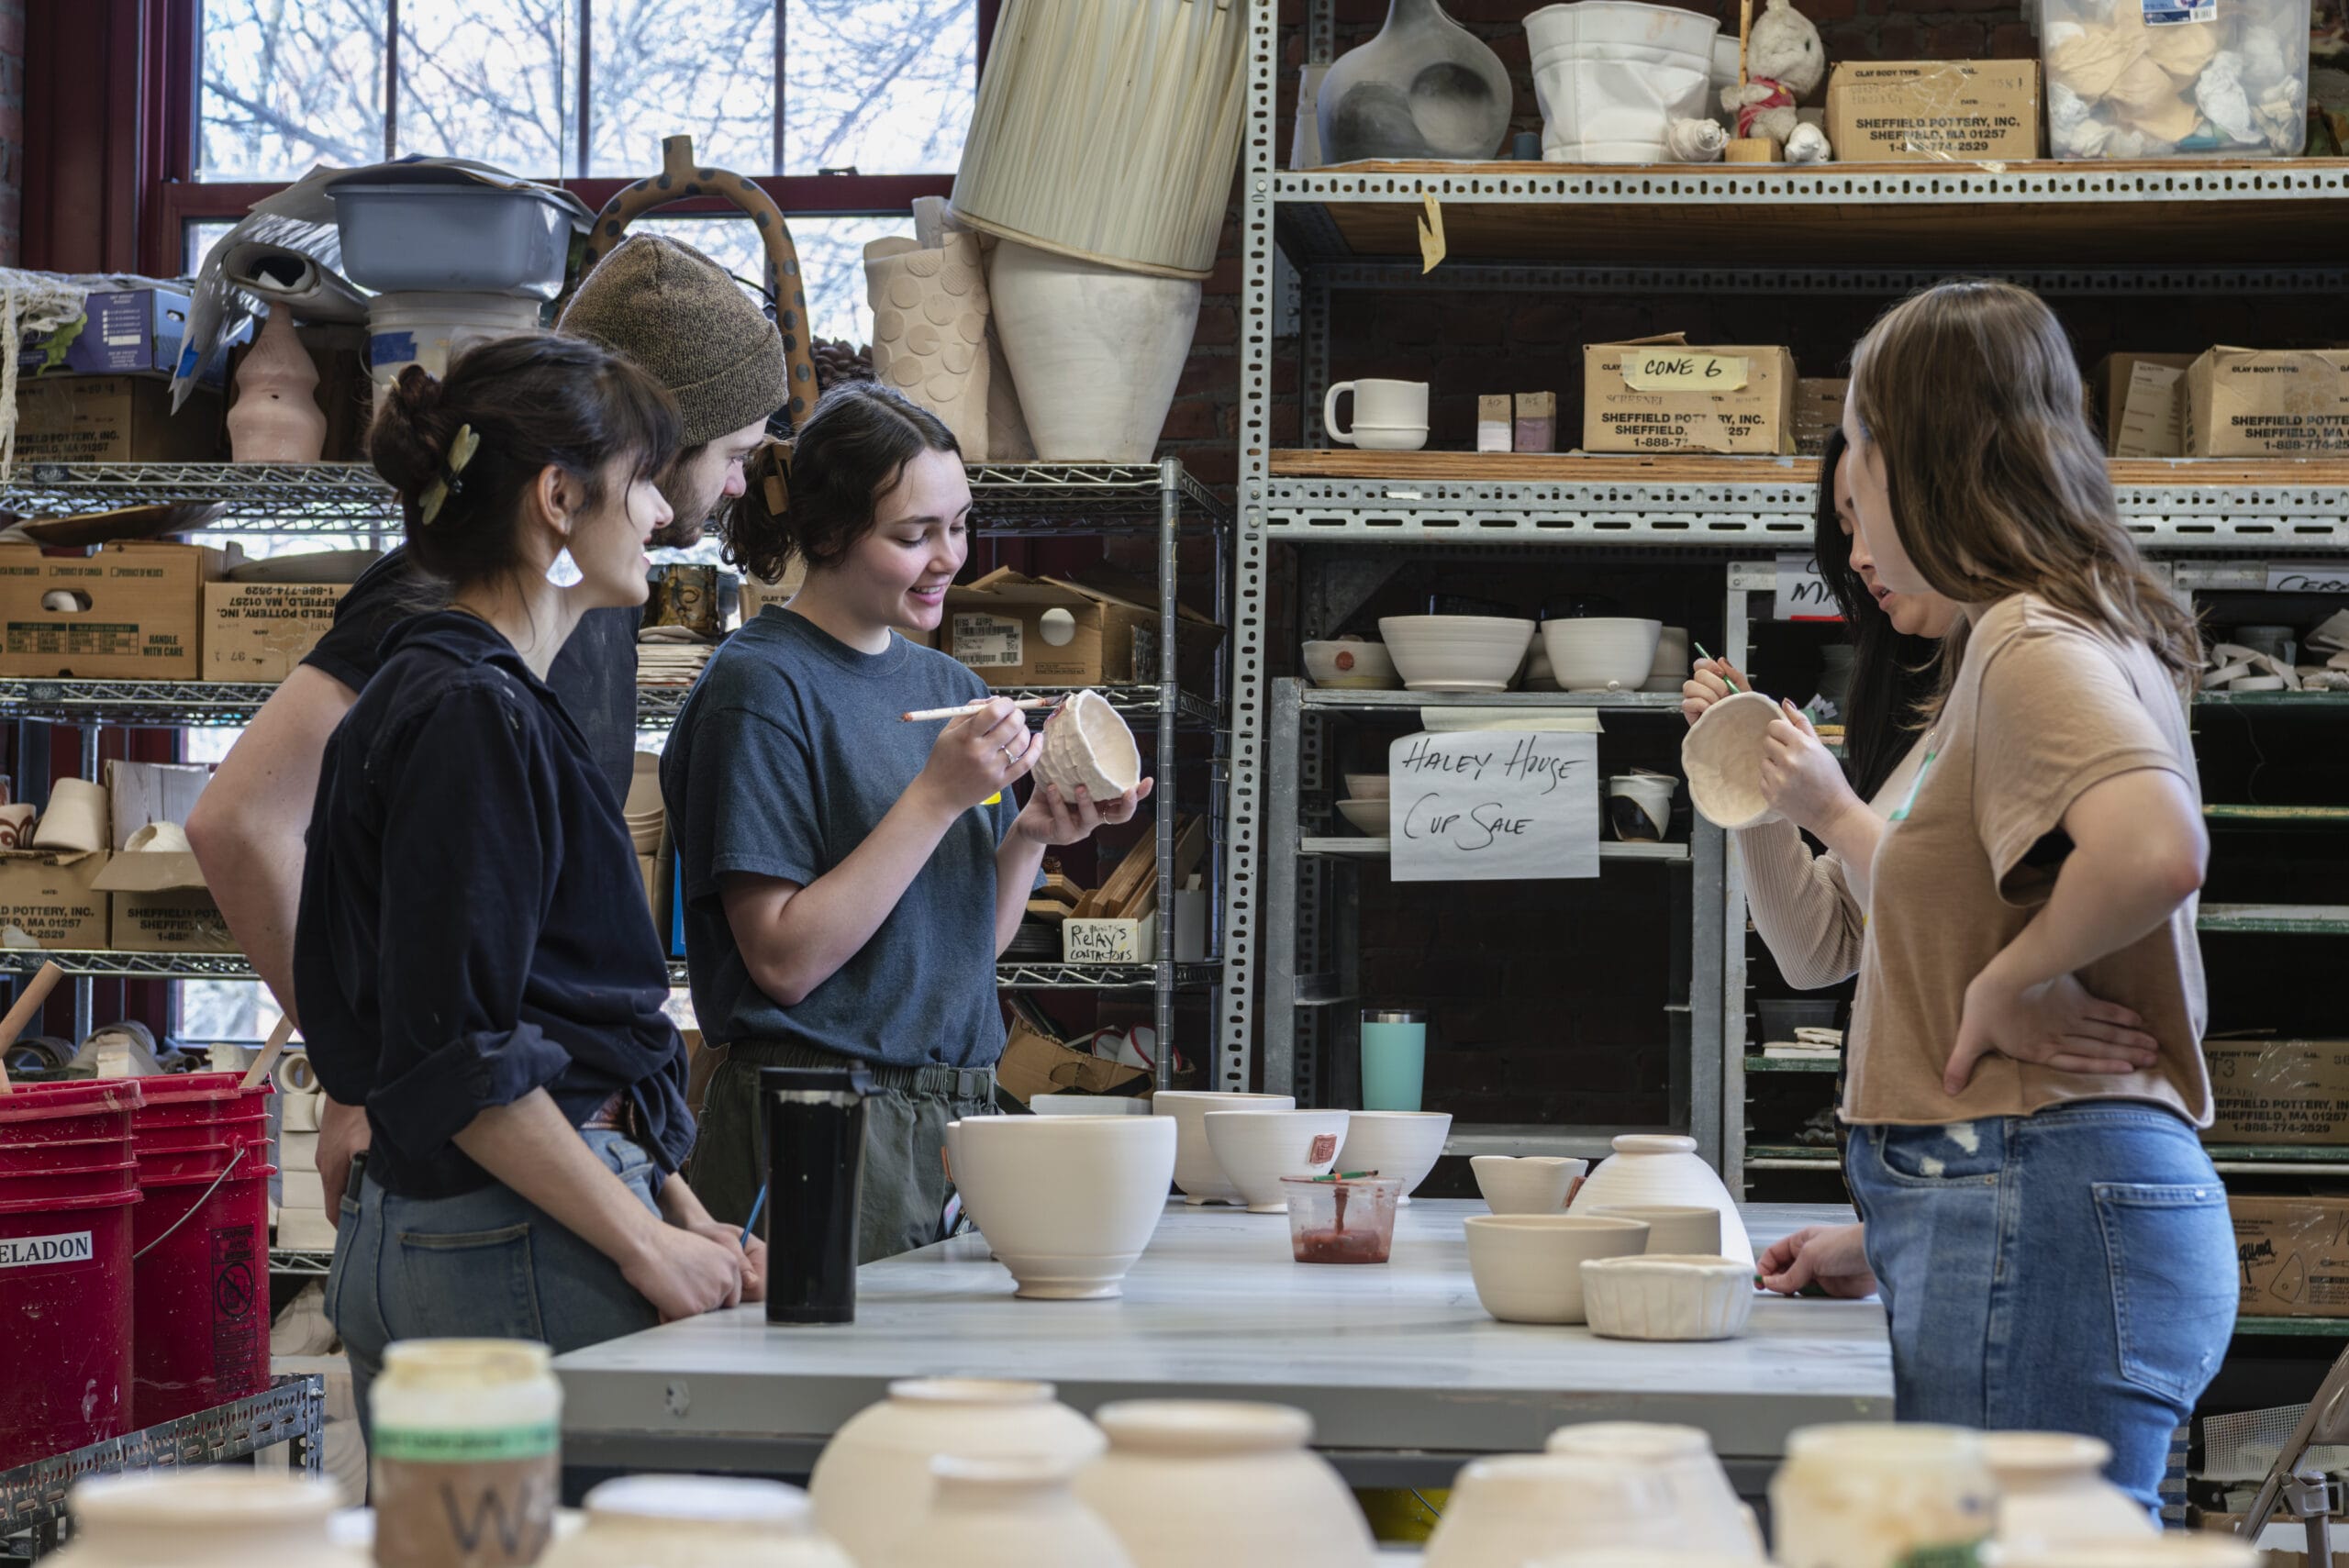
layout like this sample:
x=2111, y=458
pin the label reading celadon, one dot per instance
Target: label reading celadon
x=42, y=1252
x=468, y=1445
x=1684, y=370
x=988, y=641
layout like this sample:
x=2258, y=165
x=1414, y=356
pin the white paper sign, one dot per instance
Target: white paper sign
x=1493, y=805
x=1801, y=591
x=2309, y=578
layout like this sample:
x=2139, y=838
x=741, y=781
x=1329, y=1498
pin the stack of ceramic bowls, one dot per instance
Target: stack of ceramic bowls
x=1365, y=803
x=647, y=818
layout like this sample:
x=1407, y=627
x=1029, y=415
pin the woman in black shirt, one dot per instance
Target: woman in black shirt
x=475, y=962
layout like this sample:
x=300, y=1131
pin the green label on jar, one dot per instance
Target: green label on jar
x=1967, y=1554
x=471, y=1445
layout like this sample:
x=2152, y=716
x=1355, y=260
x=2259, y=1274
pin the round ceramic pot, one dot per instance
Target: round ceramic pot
x=872, y=1481
x=1866, y=1494
x=1682, y=1458
x=1533, y=1183
x=2052, y=1492
x=1005, y=1513
x=1662, y=1169
x=1664, y=1295
x=204, y=1518
x=462, y=1430
x=1402, y=1144
x=1674, y=1228
x=1233, y=1484
x=1257, y=1148
x=1349, y=664
x=1456, y=653
x=1196, y=1170
x=1721, y=756
x=1067, y=1203
x=696, y=1522
x=1527, y=1267
x=1087, y=745
x=1601, y=653
x=1610, y=76
x=1511, y=1509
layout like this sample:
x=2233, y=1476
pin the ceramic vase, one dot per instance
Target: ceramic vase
x=1682, y=1459
x=696, y=1522
x=1231, y=1484
x=930, y=330
x=871, y=1483
x=1425, y=87
x=1511, y=1509
x=1005, y=1513
x=1657, y=1168
x=277, y=417
x=1096, y=352
x=2052, y=1492
x=204, y=1518
x=1611, y=76
x=1870, y=1496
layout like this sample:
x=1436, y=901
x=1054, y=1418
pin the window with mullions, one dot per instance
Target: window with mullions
x=765, y=86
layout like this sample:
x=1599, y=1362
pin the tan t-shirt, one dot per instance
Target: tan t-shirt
x=2045, y=707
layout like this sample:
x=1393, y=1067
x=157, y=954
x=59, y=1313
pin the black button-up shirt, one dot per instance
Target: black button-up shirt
x=473, y=922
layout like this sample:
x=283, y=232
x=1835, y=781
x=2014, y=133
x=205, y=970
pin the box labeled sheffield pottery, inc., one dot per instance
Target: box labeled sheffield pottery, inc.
x=1660, y=394
x=133, y=611
x=2278, y=1091
x=113, y=418
x=1931, y=111
x=2268, y=403
x=49, y=895
x=259, y=631
x=2293, y=1255
x=1015, y=630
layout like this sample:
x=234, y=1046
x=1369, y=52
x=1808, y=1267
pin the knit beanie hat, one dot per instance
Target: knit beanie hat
x=678, y=315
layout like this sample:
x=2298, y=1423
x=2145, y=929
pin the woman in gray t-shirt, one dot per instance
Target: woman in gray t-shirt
x=849, y=878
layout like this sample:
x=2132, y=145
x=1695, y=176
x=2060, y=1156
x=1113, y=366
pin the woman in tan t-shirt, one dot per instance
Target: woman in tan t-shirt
x=2051, y=1242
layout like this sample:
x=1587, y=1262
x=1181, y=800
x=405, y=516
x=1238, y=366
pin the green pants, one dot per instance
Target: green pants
x=904, y=1141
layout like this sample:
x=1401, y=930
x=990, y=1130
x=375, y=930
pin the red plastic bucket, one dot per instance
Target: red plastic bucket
x=254, y=1129
x=72, y=1112
x=200, y=1278
x=109, y=1179
x=65, y=1318
x=184, y=1099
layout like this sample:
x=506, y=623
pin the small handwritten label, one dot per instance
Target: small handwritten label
x=1102, y=941
x=1494, y=806
x=2308, y=579
x=1800, y=592
x=1684, y=370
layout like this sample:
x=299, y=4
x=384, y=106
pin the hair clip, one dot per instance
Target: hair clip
x=461, y=448
x=776, y=485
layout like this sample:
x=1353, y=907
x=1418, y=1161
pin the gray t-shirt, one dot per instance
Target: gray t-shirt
x=787, y=755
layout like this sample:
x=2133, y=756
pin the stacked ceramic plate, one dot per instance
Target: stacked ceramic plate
x=647, y=818
x=1365, y=806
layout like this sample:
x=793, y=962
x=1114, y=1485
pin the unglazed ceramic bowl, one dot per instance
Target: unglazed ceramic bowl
x=1527, y=1267
x=1649, y=1168
x=1256, y=1148
x=1196, y=1170
x=1601, y=653
x=1367, y=786
x=1672, y=1228
x=1667, y=1295
x=1066, y=1202
x=1670, y=670
x=1456, y=653
x=1402, y=1144
x=1538, y=1184
x=1370, y=815
x=1712, y=1518
x=1349, y=664
x=1086, y=743
x=1512, y=1509
x=1721, y=755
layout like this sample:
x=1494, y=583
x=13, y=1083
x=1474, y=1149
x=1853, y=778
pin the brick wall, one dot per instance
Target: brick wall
x=12, y=132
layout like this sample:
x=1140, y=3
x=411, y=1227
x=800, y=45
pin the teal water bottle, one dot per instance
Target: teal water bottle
x=1394, y=1058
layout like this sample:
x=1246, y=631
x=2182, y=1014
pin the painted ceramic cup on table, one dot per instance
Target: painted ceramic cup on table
x=1527, y=1267
x=1257, y=1148
x=1534, y=1184
x=1863, y=1494
x=1195, y=1169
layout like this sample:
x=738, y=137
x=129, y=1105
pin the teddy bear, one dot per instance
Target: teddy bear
x=1785, y=63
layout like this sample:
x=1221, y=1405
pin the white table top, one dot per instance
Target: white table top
x=1389, y=1360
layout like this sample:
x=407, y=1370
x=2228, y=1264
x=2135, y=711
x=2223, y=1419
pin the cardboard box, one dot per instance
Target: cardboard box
x=2278, y=1091
x=1029, y=631
x=2268, y=403
x=1933, y=111
x=114, y=418
x=1819, y=411
x=136, y=329
x=756, y=595
x=138, y=611
x=47, y=895
x=259, y=631
x=158, y=902
x=1659, y=395
x=1109, y=942
x=1036, y=1064
x=2142, y=403
x=2293, y=1255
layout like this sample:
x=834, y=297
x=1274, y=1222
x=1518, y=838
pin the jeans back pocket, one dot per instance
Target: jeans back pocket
x=2171, y=1253
x=469, y=1285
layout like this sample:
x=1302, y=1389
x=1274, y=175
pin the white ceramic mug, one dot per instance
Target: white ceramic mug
x=1389, y=415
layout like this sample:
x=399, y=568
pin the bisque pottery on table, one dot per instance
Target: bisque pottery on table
x=1067, y=1203
x=1702, y=1499
x=1668, y=1297
x=1402, y=1144
x=1662, y=1168
x=1721, y=756
x=873, y=1482
x=696, y=1522
x=1864, y=1495
x=1508, y=1510
x=1257, y=1148
x=1527, y=1267
x=1195, y=1169
x=1005, y=1513
x=1087, y=744
x=2052, y=1492
x=1225, y=1484
x=1351, y=664
x=1674, y=1228
x=204, y=1518
x=1456, y=653
x=1533, y=1183
x=1375, y=818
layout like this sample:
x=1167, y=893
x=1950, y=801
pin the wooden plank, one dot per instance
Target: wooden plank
x=1698, y=469
x=1140, y=865
x=1190, y=847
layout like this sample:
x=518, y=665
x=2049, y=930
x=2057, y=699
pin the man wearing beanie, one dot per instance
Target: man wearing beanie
x=681, y=317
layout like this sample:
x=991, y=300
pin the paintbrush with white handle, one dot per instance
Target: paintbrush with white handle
x=1024, y=703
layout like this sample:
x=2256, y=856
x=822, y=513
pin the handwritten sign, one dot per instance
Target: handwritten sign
x=1494, y=806
x=1802, y=593
x=1684, y=370
x=2308, y=579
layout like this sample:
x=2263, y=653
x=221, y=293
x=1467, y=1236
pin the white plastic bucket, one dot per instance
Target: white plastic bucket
x=1610, y=76
x=425, y=329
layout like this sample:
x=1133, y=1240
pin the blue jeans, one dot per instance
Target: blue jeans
x=2069, y=1272
x=488, y=1264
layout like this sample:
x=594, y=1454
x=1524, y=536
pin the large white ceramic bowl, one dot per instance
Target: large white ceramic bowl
x=1601, y=653
x=1086, y=742
x=1402, y=1144
x=1349, y=665
x=1527, y=1267
x=1456, y=653
x=1372, y=817
x=1066, y=1202
x=1721, y=755
x=1256, y=1148
x=1666, y=1295
x=1536, y=1184
x=1367, y=787
x=1196, y=1171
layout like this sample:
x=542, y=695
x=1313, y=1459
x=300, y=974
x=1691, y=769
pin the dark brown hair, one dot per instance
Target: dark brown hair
x=1892, y=672
x=534, y=402
x=817, y=496
x=1995, y=484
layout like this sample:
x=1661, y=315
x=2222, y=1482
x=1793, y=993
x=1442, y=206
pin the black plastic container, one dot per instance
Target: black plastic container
x=815, y=1184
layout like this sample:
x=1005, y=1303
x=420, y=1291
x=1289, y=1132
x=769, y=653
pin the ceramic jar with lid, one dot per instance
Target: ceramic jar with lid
x=1864, y=1495
x=1662, y=1168
x=204, y=1518
x=696, y=1522
x=872, y=1482
x=465, y=1431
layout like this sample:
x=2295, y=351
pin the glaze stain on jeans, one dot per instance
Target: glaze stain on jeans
x=2072, y=1272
